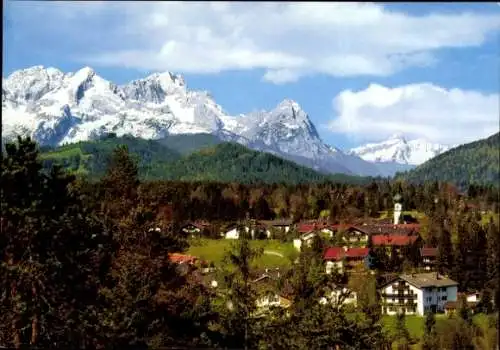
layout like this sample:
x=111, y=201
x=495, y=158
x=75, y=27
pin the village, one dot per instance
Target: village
x=350, y=250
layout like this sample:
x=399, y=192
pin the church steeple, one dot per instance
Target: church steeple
x=398, y=209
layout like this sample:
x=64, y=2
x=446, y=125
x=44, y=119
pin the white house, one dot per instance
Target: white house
x=354, y=235
x=342, y=296
x=473, y=297
x=282, y=225
x=417, y=293
x=234, y=232
x=306, y=238
x=272, y=299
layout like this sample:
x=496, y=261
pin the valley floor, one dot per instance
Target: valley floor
x=274, y=252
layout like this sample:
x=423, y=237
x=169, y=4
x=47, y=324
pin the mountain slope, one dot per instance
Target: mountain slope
x=400, y=150
x=222, y=162
x=473, y=163
x=90, y=158
x=56, y=108
x=397, y=153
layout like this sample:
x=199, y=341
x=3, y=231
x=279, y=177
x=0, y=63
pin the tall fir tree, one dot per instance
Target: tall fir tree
x=50, y=249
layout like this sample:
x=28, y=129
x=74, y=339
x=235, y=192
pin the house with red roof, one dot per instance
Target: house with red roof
x=344, y=258
x=182, y=258
x=398, y=243
x=315, y=226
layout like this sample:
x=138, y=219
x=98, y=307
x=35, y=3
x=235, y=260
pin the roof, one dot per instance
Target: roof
x=197, y=224
x=308, y=227
x=371, y=228
x=334, y=253
x=357, y=252
x=430, y=279
x=307, y=235
x=338, y=253
x=181, y=258
x=393, y=240
x=278, y=222
x=428, y=251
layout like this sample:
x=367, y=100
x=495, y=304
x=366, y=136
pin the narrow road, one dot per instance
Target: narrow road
x=271, y=252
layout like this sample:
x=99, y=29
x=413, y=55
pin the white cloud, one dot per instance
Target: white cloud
x=287, y=40
x=424, y=110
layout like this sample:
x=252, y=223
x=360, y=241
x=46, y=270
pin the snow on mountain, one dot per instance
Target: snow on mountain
x=57, y=108
x=399, y=150
x=398, y=154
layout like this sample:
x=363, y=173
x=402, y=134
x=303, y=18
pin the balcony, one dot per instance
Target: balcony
x=399, y=296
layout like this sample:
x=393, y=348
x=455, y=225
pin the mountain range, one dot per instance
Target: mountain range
x=57, y=108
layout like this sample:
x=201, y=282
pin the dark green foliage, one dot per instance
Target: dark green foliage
x=402, y=336
x=430, y=322
x=204, y=159
x=309, y=324
x=51, y=249
x=238, y=296
x=186, y=144
x=86, y=264
x=473, y=163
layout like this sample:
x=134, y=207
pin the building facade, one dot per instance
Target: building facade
x=417, y=293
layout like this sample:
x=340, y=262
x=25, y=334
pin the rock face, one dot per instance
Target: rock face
x=56, y=108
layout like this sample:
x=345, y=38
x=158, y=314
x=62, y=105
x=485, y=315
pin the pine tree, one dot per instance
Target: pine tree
x=238, y=297
x=51, y=253
x=444, y=259
x=464, y=311
x=401, y=332
x=429, y=341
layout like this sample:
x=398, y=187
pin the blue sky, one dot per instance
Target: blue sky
x=361, y=71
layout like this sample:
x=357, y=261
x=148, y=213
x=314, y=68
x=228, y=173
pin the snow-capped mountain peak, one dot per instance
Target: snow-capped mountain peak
x=398, y=149
x=56, y=108
x=399, y=136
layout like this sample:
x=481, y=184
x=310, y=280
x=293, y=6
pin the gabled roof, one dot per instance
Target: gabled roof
x=181, y=258
x=357, y=252
x=313, y=226
x=430, y=279
x=428, y=252
x=333, y=253
x=338, y=253
x=384, y=240
x=278, y=222
x=198, y=224
x=308, y=235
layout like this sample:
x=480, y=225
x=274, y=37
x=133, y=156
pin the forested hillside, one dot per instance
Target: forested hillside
x=103, y=256
x=474, y=163
x=188, y=158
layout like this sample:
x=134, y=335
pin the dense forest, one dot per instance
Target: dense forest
x=473, y=163
x=188, y=158
x=85, y=264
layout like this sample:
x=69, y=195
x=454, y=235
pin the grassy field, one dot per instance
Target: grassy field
x=415, y=325
x=276, y=253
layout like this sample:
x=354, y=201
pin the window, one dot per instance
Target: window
x=444, y=297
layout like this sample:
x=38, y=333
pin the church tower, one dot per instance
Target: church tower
x=398, y=209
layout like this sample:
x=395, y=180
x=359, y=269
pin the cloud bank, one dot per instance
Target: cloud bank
x=424, y=110
x=286, y=40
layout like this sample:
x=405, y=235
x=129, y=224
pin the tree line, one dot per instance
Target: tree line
x=84, y=265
